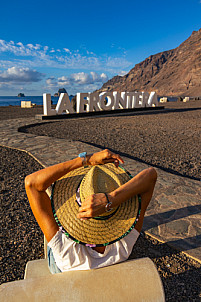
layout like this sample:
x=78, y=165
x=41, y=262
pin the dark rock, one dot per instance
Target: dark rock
x=21, y=95
x=61, y=90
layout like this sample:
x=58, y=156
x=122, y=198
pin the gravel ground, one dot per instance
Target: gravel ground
x=168, y=140
x=20, y=236
x=22, y=240
x=13, y=112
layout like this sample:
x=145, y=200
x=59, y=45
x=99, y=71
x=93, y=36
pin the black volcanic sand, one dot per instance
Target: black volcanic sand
x=22, y=240
x=13, y=112
x=168, y=140
x=21, y=237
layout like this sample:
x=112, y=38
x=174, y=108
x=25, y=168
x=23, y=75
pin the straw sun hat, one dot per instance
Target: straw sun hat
x=69, y=192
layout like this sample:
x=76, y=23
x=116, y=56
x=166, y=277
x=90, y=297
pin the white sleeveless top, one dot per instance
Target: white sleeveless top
x=71, y=256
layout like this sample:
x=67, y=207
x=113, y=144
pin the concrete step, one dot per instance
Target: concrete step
x=135, y=280
x=36, y=269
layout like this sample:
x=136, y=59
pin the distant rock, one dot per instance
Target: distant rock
x=174, y=72
x=21, y=95
x=61, y=90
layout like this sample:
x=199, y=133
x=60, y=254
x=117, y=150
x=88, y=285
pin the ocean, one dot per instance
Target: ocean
x=38, y=100
x=16, y=101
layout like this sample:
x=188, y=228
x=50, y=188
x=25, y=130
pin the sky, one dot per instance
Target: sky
x=79, y=45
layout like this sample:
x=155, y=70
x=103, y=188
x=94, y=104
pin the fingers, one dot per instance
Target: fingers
x=89, y=210
x=85, y=213
x=86, y=210
x=83, y=216
x=111, y=157
x=114, y=161
x=118, y=157
x=103, y=157
x=93, y=206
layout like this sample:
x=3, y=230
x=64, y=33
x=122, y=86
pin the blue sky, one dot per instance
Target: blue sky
x=79, y=45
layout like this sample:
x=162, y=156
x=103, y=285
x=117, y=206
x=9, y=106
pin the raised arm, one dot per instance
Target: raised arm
x=37, y=183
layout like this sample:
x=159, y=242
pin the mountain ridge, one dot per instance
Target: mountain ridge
x=175, y=72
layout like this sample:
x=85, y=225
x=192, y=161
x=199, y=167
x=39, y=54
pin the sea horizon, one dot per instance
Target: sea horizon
x=16, y=101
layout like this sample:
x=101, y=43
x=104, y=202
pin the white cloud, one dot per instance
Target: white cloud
x=90, y=52
x=44, y=56
x=20, y=75
x=81, y=80
x=20, y=44
x=63, y=81
x=122, y=72
x=19, y=49
x=5, y=64
x=19, y=64
x=98, y=78
x=51, y=82
x=67, y=50
x=117, y=62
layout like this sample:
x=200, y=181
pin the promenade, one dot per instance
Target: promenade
x=173, y=215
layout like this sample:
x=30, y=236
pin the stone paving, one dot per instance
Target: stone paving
x=173, y=215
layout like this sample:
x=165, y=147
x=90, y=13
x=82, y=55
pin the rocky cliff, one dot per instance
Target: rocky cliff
x=61, y=90
x=21, y=95
x=173, y=73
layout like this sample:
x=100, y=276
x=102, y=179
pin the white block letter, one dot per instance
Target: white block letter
x=82, y=99
x=119, y=100
x=94, y=102
x=137, y=100
x=106, y=100
x=47, y=110
x=153, y=100
x=130, y=99
x=64, y=104
x=145, y=97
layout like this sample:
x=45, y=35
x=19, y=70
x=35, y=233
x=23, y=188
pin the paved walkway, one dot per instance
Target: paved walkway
x=174, y=212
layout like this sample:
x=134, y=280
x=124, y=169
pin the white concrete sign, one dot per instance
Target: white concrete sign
x=88, y=102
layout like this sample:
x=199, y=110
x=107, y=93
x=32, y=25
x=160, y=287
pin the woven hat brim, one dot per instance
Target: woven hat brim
x=92, y=231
